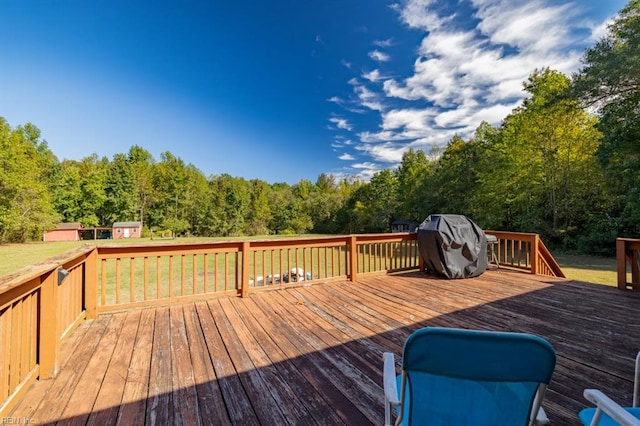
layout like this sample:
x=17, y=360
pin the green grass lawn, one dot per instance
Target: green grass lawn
x=599, y=270
x=593, y=269
x=16, y=256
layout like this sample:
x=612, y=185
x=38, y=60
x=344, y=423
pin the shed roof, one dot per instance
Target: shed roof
x=126, y=224
x=68, y=226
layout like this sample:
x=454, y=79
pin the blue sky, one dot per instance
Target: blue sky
x=281, y=90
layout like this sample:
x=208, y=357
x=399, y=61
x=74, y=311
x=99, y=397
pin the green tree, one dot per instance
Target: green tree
x=410, y=199
x=26, y=210
x=142, y=165
x=170, y=186
x=371, y=207
x=120, y=202
x=78, y=190
x=544, y=173
x=610, y=82
x=456, y=183
x=259, y=214
x=288, y=215
x=229, y=205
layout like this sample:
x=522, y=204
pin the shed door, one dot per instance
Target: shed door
x=126, y=232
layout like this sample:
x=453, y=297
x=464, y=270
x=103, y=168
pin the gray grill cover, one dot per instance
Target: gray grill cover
x=453, y=246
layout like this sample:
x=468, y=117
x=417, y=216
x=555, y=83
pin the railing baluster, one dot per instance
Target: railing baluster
x=170, y=276
x=117, y=280
x=132, y=295
x=158, y=278
x=103, y=289
x=205, y=273
x=183, y=275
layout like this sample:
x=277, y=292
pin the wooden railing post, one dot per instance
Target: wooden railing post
x=49, y=343
x=535, y=253
x=244, y=291
x=621, y=263
x=353, y=258
x=91, y=284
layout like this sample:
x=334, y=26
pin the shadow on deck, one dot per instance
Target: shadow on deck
x=312, y=354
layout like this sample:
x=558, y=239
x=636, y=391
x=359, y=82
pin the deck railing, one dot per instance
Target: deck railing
x=628, y=262
x=39, y=305
x=136, y=276
x=526, y=252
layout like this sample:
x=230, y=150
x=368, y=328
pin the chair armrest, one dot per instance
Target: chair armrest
x=389, y=378
x=609, y=406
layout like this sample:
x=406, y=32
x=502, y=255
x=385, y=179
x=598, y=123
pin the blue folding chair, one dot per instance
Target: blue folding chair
x=466, y=377
x=609, y=413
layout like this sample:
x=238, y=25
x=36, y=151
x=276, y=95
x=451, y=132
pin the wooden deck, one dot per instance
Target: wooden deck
x=313, y=354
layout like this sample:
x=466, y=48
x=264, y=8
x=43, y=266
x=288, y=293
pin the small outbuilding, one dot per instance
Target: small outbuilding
x=64, y=232
x=127, y=230
x=404, y=226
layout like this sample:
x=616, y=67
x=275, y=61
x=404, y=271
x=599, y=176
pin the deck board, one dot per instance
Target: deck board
x=312, y=354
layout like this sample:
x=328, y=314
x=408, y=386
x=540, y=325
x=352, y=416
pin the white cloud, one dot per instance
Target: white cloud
x=346, y=157
x=346, y=64
x=599, y=31
x=366, y=170
x=467, y=69
x=384, y=43
x=379, y=56
x=368, y=98
x=372, y=76
x=341, y=123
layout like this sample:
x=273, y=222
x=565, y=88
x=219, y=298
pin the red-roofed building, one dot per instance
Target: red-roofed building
x=64, y=232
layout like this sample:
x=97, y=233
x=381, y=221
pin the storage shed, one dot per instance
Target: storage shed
x=64, y=232
x=404, y=226
x=127, y=230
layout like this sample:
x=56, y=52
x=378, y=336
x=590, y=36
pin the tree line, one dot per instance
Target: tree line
x=564, y=164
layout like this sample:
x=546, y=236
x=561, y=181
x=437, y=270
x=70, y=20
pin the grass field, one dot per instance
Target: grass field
x=16, y=256
x=593, y=269
x=599, y=270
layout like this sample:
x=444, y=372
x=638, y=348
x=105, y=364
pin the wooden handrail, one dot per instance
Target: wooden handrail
x=525, y=251
x=144, y=275
x=118, y=276
x=37, y=309
x=628, y=255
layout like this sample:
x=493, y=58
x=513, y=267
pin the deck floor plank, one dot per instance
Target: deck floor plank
x=297, y=374
x=252, y=379
x=106, y=407
x=356, y=369
x=316, y=367
x=33, y=399
x=210, y=402
x=312, y=354
x=133, y=407
x=160, y=398
x=82, y=399
x=235, y=398
x=58, y=395
x=284, y=397
x=185, y=397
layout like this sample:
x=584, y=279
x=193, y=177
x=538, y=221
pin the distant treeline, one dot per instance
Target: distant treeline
x=564, y=164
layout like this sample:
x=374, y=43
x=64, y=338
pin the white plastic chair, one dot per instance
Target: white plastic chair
x=607, y=412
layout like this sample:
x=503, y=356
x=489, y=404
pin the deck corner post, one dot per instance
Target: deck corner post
x=244, y=286
x=353, y=258
x=49, y=341
x=535, y=254
x=621, y=263
x=91, y=284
